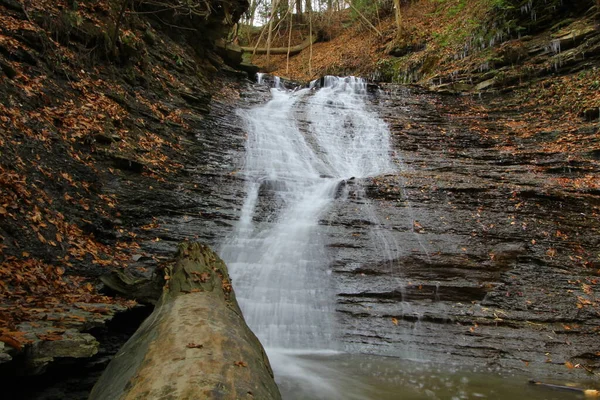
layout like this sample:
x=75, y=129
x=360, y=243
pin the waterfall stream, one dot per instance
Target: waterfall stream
x=306, y=152
x=302, y=145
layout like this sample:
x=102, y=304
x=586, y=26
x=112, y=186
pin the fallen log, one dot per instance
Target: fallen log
x=282, y=50
x=588, y=393
x=195, y=345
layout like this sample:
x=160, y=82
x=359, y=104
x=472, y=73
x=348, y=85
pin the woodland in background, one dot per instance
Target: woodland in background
x=455, y=28
x=102, y=103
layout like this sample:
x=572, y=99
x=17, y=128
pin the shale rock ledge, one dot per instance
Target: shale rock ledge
x=195, y=345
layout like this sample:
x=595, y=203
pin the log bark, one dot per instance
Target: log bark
x=283, y=50
x=194, y=345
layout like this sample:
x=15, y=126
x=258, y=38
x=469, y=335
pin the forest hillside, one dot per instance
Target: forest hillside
x=544, y=54
x=119, y=137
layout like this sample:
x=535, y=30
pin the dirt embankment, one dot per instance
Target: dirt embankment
x=99, y=105
x=469, y=46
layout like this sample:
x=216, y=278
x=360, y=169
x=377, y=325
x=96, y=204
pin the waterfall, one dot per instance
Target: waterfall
x=301, y=146
x=303, y=149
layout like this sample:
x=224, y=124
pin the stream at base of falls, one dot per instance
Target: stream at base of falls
x=367, y=377
x=306, y=150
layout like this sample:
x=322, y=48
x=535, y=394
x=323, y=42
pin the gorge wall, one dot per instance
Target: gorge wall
x=100, y=105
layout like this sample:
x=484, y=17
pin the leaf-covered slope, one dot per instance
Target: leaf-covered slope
x=96, y=101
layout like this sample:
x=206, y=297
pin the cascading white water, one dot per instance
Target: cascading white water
x=301, y=145
x=276, y=258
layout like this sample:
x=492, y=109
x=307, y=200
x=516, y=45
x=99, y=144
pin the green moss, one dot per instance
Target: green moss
x=456, y=9
x=387, y=69
x=71, y=19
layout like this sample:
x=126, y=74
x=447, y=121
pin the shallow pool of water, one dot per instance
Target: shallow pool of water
x=332, y=376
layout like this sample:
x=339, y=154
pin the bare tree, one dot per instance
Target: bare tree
x=310, y=35
x=308, y=7
x=299, y=10
x=287, y=62
x=365, y=19
x=270, y=33
x=118, y=26
x=399, y=17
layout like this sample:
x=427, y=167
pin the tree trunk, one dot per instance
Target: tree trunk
x=365, y=19
x=398, y=17
x=194, y=345
x=253, y=12
x=282, y=50
x=282, y=7
x=270, y=33
x=287, y=60
x=299, y=11
x=115, y=38
x=250, y=23
x=310, y=35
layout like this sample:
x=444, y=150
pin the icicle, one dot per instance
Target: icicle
x=555, y=46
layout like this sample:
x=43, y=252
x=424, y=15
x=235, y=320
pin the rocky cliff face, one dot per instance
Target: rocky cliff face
x=489, y=256
x=480, y=250
x=100, y=103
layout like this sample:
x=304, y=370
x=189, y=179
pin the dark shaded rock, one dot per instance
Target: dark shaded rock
x=230, y=52
x=12, y=5
x=72, y=344
x=10, y=72
x=48, y=344
x=251, y=69
x=4, y=354
x=127, y=164
x=149, y=37
x=140, y=288
x=199, y=101
x=591, y=114
x=510, y=54
x=19, y=55
x=401, y=51
x=106, y=138
x=575, y=37
x=234, y=72
x=595, y=154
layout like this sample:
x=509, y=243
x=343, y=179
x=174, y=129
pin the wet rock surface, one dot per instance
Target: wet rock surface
x=468, y=254
x=472, y=255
